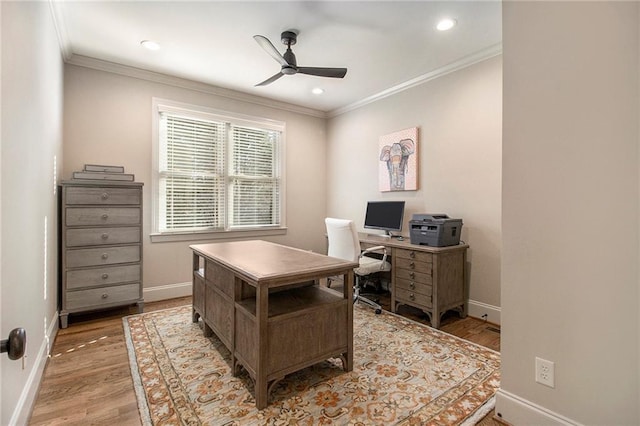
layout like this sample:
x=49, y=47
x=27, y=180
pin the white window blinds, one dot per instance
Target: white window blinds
x=255, y=187
x=214, y=175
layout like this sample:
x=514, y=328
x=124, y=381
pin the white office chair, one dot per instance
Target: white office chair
x=344, y=244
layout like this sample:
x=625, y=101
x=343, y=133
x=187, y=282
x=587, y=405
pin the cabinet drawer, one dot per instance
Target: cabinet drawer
x=79, y=216
x=222, y=278
x=413, y=255
x=102, y=195
x=414, y=265
x=412, y=286
x=410, y=275
x=103, y=296
x=98, y=236
x=78, y=258
x=81, y=278
x=412, y=298
x=219, y=314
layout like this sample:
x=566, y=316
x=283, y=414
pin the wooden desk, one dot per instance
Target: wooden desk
x=429, y=278
x=264, y=302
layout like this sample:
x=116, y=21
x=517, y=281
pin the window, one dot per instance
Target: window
x=214, y=172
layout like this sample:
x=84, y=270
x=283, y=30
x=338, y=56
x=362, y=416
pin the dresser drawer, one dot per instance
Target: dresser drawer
x=97, y=297
x=412, y=286
x=98, y=236
x=410, y=275
x=79, y=216
x=420, y=256
x=81, y=278
x=414, y=265
x=102, y=195
x=412, y=298
x=78, y=258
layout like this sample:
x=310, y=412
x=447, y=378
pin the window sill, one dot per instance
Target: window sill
x=221, y=235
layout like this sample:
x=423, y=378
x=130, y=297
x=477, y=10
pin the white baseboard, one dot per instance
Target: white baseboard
x=27, y=398
x=478, y=309
x=518, y=411
x=164, y=292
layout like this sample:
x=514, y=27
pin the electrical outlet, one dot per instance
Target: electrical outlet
x=545, y=373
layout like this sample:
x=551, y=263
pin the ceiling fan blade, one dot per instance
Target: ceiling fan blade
x=270, y=49
x=323, y=72
x=270, y=80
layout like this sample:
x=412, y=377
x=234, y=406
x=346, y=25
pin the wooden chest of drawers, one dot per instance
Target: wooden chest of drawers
x=430, y=279
x=100, y=246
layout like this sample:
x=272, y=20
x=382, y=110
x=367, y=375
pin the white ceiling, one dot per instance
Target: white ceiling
x=384, y=44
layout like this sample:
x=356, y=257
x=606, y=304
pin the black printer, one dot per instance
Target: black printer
x=437, y=230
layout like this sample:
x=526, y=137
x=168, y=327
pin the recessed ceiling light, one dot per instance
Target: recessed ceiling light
x=150, y=44
x=446, y=24
x=317, y=91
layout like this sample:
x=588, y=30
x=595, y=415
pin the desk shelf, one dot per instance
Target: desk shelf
x=293, y=301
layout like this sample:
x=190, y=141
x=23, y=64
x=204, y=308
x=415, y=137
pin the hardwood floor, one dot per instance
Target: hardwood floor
x=87, y=379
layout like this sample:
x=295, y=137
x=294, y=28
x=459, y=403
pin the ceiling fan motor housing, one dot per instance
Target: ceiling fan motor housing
x=289, y=38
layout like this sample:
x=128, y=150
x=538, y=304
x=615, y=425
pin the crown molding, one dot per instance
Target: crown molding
x=112, y=67
x=61, y=30
x=464, y=62
x=84, y=61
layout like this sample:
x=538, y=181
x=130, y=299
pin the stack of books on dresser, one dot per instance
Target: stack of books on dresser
x=99, y=172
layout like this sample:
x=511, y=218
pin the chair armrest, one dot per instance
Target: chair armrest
x=374, y=249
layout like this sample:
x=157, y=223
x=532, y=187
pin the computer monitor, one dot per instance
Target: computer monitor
x=384, y=215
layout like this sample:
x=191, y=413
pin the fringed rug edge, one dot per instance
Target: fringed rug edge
x=141, y=397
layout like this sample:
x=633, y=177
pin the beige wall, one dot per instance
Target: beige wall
x=107, y=120
x=31, y=140
x=570, y=212
x=459, y=121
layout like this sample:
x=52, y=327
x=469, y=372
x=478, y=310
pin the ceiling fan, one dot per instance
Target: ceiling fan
x=288, y=60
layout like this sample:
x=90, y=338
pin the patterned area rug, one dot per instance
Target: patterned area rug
x=404, y=373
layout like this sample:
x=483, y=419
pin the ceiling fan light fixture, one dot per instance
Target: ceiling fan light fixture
x=150, y=44
x=446, y=24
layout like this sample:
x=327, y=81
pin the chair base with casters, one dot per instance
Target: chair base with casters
x=359, y=297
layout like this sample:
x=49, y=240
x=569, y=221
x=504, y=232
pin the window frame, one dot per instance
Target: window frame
x=201, y=112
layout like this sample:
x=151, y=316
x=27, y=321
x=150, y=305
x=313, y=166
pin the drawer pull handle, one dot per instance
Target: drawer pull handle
x=105, y=276
x=105, y=216
x=412, y=296
x=105, y=255
x=105, y=196
x=105, y=295
x=412, y=275
x=412, y=286
x=105, y=236
x=412, y=265
x=412, y=254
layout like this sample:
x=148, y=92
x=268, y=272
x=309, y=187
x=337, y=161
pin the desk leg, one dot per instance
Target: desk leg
x=348, y=294
x=262, y=309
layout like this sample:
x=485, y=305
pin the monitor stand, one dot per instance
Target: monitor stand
x=387, y=234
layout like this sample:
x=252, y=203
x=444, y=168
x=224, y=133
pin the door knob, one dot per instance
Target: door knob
x=15, y=344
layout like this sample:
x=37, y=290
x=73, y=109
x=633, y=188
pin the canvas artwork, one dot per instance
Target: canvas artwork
x=398, y=169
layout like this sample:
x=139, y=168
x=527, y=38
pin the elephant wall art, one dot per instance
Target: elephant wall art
x=398, y=161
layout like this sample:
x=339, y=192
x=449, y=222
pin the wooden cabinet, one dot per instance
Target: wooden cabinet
x=100, y=246
x=428, y=278
x=432, y=282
